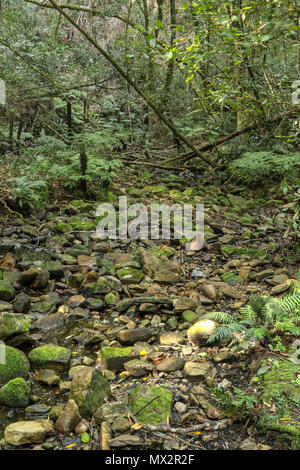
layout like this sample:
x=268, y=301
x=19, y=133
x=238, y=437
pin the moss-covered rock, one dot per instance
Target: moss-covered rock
x=15, y=393
x=130, y=275
x=82, y=205
x=75, y=280
x=232, y=278
x=50, y=356
x=64, y=227
x=156, y=412
x=111, y=299
x=79, y=224
x=7, y=290
x=239, y=252
x=13, y=363
x=278, y=387
x=55, y=269
x=115, y=358
x=13, y=323
x=89, y=389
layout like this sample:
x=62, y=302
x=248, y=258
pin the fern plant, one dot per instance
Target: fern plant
x=227, y=328
x=29, y=194
x=258, y=318
x=256, y=165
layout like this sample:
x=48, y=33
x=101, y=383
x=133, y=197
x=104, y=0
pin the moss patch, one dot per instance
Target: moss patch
x=15, y=393
x=50, y=357
x=158, y=410
x=16, y=364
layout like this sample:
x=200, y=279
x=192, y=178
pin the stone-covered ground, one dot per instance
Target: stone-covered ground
x=95, y=332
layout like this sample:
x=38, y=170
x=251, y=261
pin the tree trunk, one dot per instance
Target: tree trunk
x=69, y=120
x=19, y=133
x=11, y=132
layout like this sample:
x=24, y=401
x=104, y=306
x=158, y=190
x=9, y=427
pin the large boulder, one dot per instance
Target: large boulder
x=27, y=432
x=13, y=323
x=15, y=393
x=13, y=364
x=89, y=389
x=50, y=356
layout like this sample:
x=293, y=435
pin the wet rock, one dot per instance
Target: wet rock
x=190, y=316
x=172, y=337
x=74, y=370
x=48, y=377
x=15, y=394
x=89, y=337
x=222, y=356
x=167, y=277
x=55, y=269
x=209, y=291
x=110, y=411
x=38, y=408
x=28, y=276
x=13, y=323
x=130, y=275
x=158, y=411
x=27, y=432
x=6, y=306
x=41, y=280
x=69, y=418
x=55, y=412
x=197, y=371
x=75, y=280
x=81, y=427
x=171, y=364
x=124, y=304
x=16, y=364
x=264, y=274
x=129, y=337
x=7, y=291
x=280, y=288
x=137, y=368
x=22, y=303
x=120, y=424
x=231, y=292
x=278, y=279
x=52, y=322
x=115, y=358
x=125, y=440
x=184, y=303
x=95, y=304
x=89, y=389
x=50, y=356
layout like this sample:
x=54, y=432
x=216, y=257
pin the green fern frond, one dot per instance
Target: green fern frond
x=290, y=302
x=219, y=317
x=225, y=332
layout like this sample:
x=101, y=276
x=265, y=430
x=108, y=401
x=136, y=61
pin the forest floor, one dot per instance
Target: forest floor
x=118, y=311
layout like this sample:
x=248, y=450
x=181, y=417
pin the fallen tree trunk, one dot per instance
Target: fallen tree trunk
x=208, y=145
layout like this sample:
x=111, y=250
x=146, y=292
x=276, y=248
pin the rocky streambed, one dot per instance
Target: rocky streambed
x=95, y=353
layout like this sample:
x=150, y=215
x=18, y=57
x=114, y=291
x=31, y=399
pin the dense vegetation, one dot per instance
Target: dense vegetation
x=164, y=101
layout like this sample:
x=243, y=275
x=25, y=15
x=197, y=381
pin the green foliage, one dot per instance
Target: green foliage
x=28, y=193
x=261, y=314
x=237, y=405
x=227, y=327
x=257, y=165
